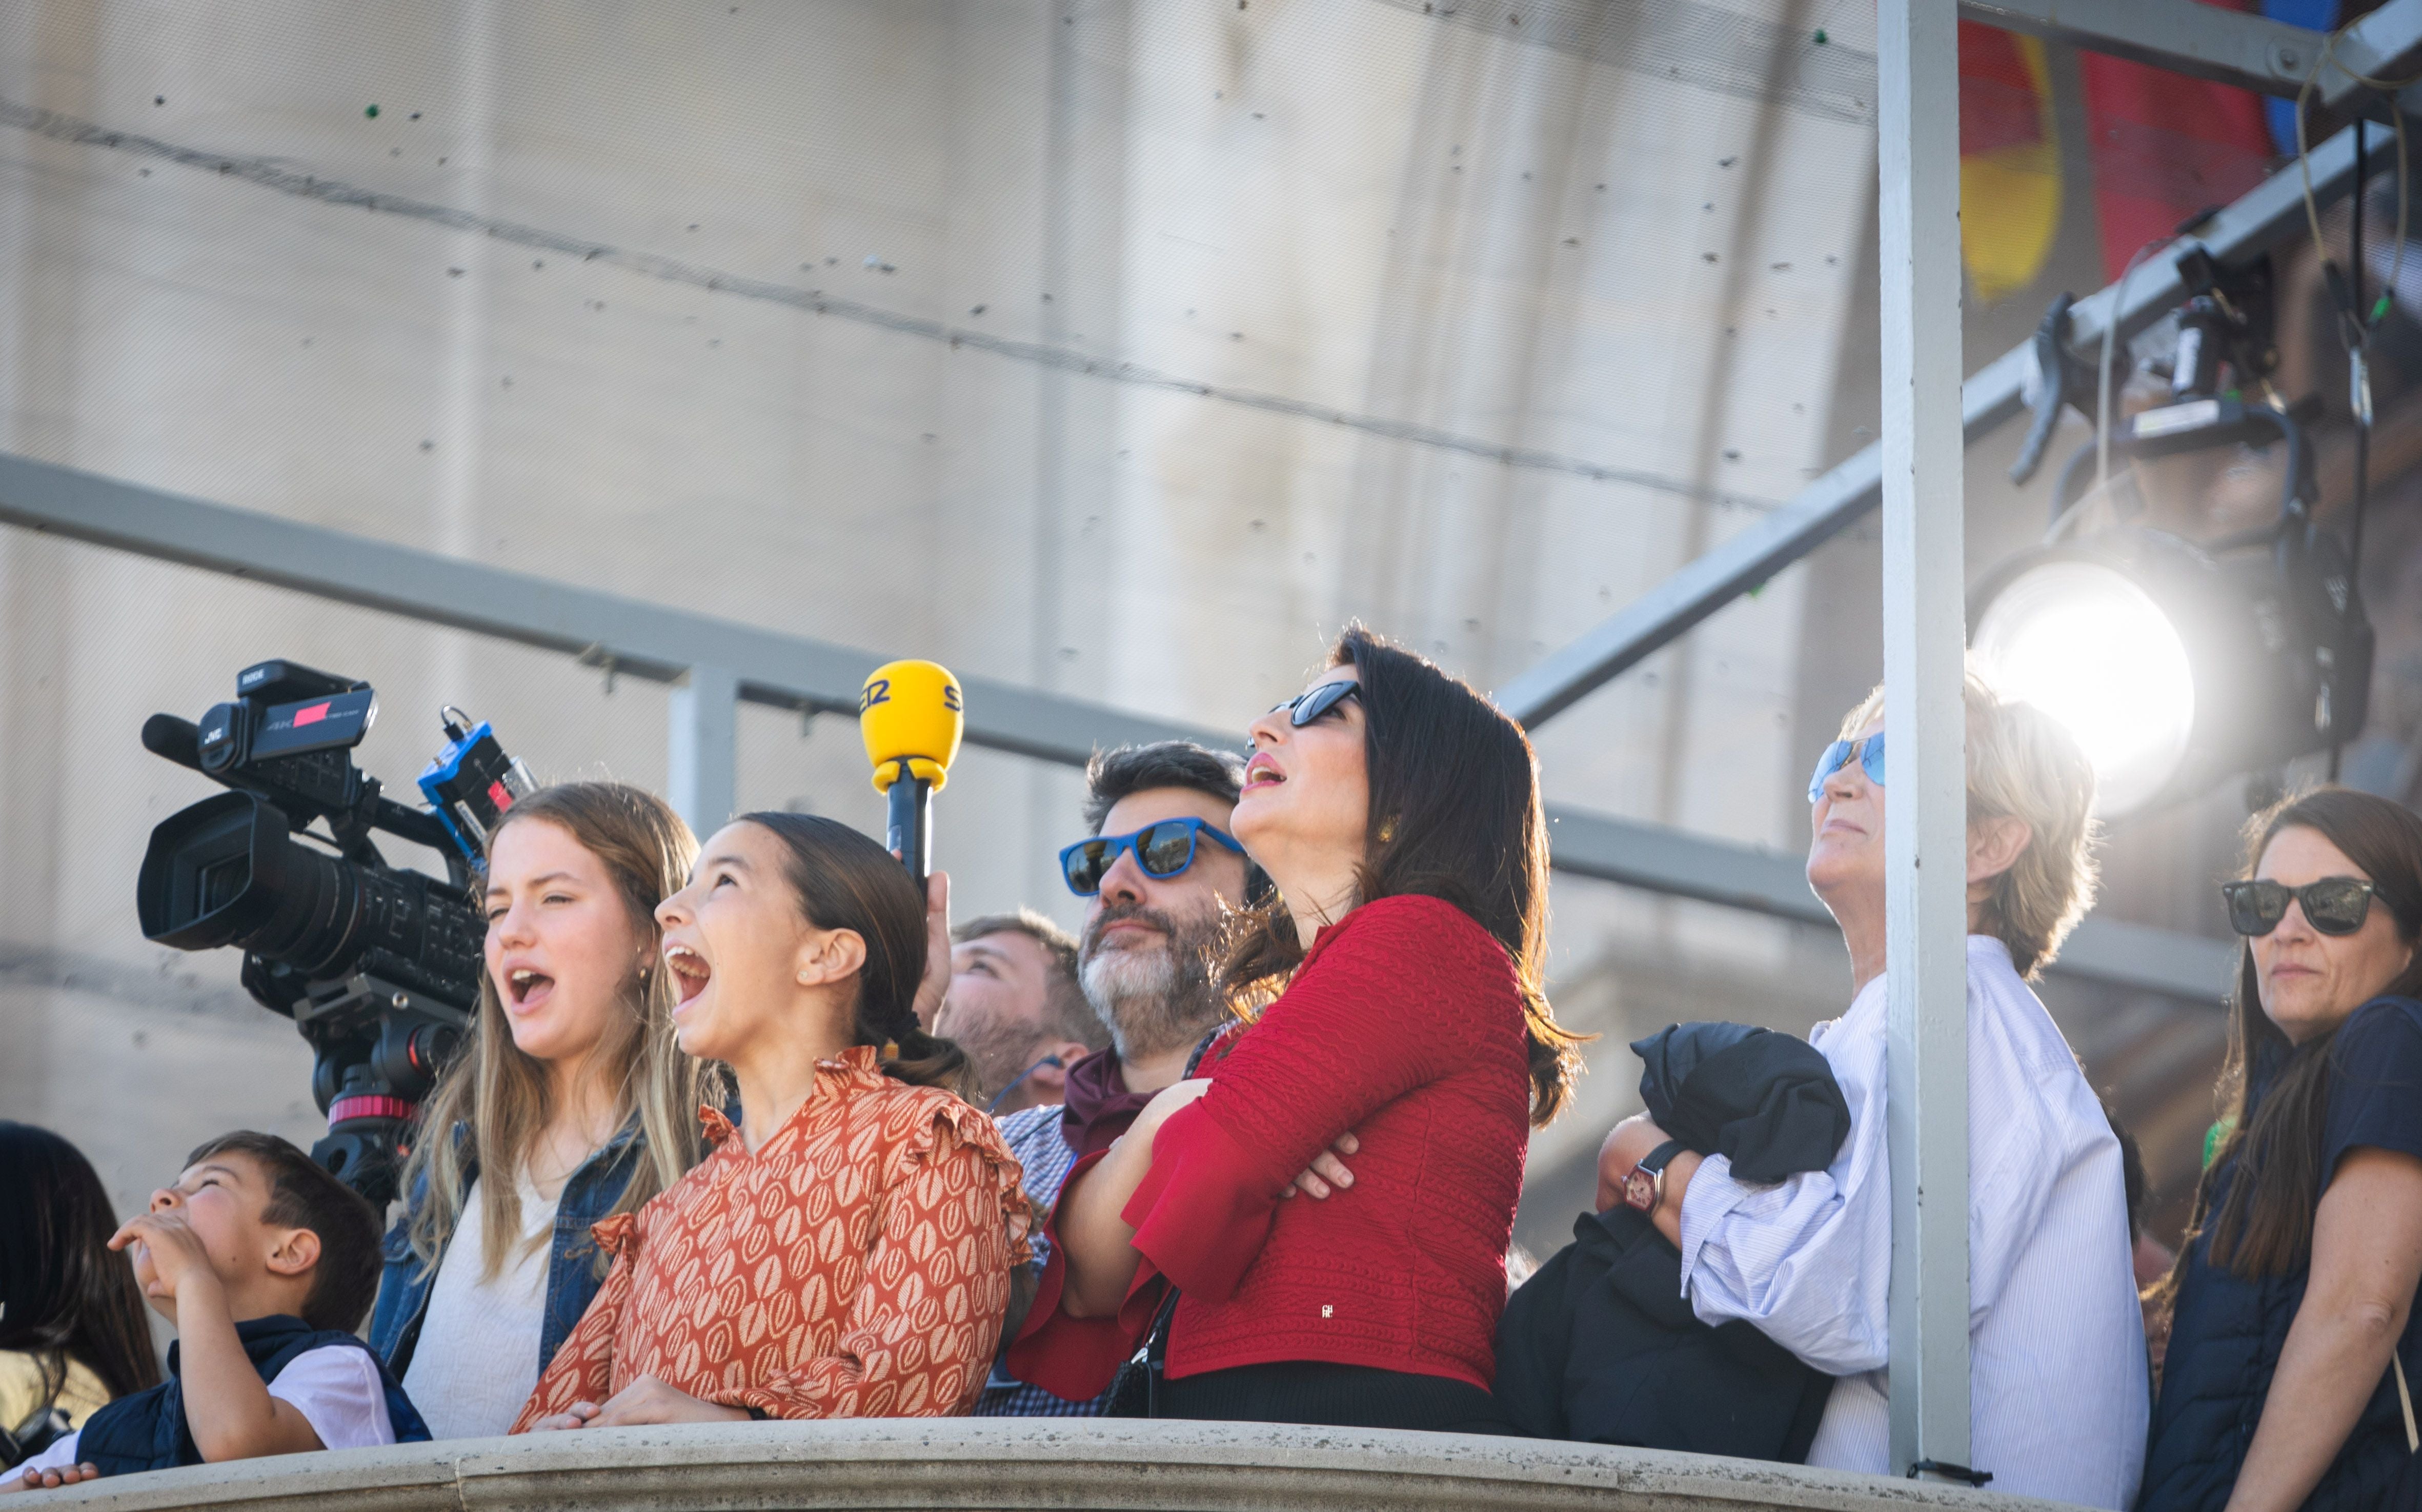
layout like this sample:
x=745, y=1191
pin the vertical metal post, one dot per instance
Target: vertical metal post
x=703, y=750
x=1925, y=797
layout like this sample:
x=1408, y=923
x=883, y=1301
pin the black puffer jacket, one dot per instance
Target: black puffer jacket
x=1602, y=1344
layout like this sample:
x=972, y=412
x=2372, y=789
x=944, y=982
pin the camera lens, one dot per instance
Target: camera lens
x=227, y=872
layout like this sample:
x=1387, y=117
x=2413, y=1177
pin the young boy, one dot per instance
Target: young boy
x=264, y=1261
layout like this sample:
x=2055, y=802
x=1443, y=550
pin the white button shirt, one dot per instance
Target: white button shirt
x=2057, y=1376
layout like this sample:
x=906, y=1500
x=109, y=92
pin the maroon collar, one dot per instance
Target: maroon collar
x=1098, y=1106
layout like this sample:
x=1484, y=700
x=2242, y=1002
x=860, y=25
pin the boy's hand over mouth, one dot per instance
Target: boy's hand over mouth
x=169, y=1259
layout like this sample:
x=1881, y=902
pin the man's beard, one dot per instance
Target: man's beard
x=1155, y=997
x=1001, y=1049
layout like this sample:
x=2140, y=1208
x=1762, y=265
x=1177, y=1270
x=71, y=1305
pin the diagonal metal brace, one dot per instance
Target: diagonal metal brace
x=2226, y=46
x=2063, y=380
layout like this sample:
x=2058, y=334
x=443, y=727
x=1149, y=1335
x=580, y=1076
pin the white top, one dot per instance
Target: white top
x=335, y=1388
x=477, y=1360
x=2057, y=1376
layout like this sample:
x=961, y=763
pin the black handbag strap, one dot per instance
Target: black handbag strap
x=1155, y=1352
x=1136, y=1390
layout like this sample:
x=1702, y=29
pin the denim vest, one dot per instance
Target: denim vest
x=573, y=1271
x=147, y=1429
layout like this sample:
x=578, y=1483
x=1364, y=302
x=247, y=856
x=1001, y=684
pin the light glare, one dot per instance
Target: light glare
x=2091, y=649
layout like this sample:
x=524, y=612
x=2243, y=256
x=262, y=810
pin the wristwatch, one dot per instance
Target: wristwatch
x=1645, y=1187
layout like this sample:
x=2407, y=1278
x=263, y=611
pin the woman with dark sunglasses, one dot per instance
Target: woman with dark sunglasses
x=1396, y=975
x=2293, y=1348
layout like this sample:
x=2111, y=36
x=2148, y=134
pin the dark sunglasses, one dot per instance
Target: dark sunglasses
x=1312, y=702
x=1838, y=754
x=1163, y=850
x=2333, y=906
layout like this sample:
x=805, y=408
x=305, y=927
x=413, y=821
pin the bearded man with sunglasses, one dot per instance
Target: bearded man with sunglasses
x=1158, y=873
x=2058, y=1388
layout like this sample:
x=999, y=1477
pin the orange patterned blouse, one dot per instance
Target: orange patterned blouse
x=857, y=1265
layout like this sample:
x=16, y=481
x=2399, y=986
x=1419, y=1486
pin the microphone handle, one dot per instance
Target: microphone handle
x=910, y=835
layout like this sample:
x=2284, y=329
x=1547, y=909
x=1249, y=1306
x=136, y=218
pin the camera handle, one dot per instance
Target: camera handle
x=378, y=1050
x=180, y=740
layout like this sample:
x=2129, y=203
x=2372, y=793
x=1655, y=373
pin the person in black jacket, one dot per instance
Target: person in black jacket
x=1601, y=1345
x=2294, y=1346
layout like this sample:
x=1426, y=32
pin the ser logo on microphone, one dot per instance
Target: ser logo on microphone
x=879, y=691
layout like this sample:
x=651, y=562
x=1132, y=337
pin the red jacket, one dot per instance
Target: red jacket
x=1405, y=1025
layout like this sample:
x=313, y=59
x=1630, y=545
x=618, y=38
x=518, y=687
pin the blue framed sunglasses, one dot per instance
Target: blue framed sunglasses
x=1869, y=751
x=1164, y=850
x=1312, y=702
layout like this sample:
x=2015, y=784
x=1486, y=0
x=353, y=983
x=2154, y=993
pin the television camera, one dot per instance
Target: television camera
x=378, y=965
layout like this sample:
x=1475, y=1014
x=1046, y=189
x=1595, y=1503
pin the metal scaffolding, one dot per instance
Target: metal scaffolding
x=2388, y=41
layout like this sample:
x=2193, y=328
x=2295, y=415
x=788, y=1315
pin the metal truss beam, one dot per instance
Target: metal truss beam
x=2235, y=234
x=662, y=644
x=636, y=637
x=2227, y=46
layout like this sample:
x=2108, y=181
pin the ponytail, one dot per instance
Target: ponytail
x=844, y=880
x=923, y=1059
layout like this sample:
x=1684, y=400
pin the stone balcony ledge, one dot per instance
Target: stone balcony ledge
x=992, y=1462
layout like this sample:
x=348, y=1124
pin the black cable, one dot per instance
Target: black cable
x=2363, y=342
x=2359, y=377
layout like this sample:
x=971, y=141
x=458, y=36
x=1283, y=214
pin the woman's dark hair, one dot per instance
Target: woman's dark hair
x=2265, y=1226
x=846, y=881
x=63, y=1293
x=1455, y=816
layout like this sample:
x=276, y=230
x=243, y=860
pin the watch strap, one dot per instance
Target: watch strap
x=1643, y=1190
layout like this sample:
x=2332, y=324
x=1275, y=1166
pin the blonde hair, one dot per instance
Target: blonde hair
x=501, y=1094
x=2025, y=765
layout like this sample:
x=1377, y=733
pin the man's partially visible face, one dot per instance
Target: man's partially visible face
x=1147, y=938
x=999, y=988
x=1121, y=915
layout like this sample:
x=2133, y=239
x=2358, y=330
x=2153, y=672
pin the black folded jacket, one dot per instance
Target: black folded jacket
x=1764, y=1102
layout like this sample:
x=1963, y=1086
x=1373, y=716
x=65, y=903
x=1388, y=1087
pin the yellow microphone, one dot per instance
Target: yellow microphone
x=911, y=715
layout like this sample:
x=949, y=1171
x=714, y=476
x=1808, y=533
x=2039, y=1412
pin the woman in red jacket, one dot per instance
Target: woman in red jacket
x=1398, y=813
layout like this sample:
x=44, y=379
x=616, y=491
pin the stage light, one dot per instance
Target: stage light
x=2086, y=644
x=2178, y=663
x=2175, y=664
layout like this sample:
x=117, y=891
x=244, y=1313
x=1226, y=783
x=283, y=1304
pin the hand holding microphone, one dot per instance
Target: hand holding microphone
x=911, y=715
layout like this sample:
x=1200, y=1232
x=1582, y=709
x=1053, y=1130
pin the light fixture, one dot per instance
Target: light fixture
x=2175, y=665
x=2178, y=663
x=2081, y=641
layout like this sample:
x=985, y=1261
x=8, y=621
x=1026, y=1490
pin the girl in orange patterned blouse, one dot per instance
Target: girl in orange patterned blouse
x=846, y=1251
